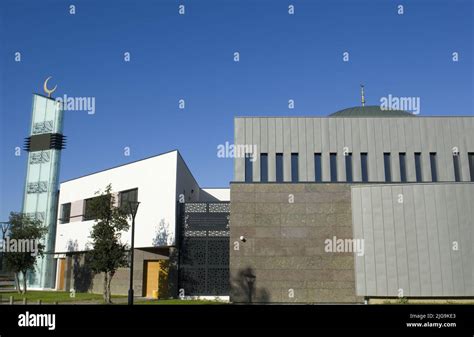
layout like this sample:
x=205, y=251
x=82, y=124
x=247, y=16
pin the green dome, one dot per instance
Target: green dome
x=370, y=111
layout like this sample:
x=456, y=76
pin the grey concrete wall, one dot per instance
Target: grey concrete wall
x=284, y=247
x=309, y=135
x=80, y=277
x=410, y=243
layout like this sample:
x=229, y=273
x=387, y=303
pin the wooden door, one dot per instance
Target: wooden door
x=62, y=269
x=152, y=277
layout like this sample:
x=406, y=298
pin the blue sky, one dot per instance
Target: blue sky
x=190, y=57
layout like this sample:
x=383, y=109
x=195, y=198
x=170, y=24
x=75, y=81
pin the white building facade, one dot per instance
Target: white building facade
x=160, y=184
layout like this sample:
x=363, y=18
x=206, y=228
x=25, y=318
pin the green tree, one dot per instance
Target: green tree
x=26, y=234
x=108, y=253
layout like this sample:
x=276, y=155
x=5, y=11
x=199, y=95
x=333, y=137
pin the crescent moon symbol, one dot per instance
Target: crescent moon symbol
x=45, y=87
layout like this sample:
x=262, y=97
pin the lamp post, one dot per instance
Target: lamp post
x=133, y=205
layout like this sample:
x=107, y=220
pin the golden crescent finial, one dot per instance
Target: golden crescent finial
x=45, y=87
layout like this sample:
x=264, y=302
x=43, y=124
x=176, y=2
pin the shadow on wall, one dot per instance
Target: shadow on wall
x=244, y=288
x=163, y=285
x=82, y=274
x=163, y=236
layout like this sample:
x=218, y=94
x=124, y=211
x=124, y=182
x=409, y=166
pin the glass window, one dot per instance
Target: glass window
x=89, y=212
x=457, y=169
x=294, y=167
x=364, y=167
x=333, y=166
x=403, y=169
x=248, y=168
x=126, y=197
x=470, y=156
x=386, y=164
x=434, y=168
x=418, y=171
x=349, y=167
x=264, y=167
x=318, y=176
x=279, y=167
x=65, y=213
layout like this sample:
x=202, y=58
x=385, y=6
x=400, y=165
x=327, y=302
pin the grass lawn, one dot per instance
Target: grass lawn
x=178, y=302
x=33, y=296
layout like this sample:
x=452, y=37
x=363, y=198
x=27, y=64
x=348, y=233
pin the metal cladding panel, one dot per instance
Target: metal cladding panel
x=403, y=282
x=379, y=242
x=310, y=174
x=325, y=149
x=279, y=135
x=356, y=149
x=264, y=135
x=332, y=135
x=302, y=154
x=428, y=218
x=317, y=135
x=256, y=137
x=455, y=235
x=389, y=240
x=443, y=153
x=369, y=246
x=287, y=141
x=444, y=238
x=272, y=149
x=358, y=234
x=308, y=135
x=340, y=146
x=463, y=129
x=426, y=238
x=239, y=138
x=411, y=242
x=410, y=145
x=421, y=244
x=375, y=159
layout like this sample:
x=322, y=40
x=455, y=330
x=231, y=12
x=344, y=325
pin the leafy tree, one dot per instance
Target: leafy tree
x=24, y=230
x=108, y=253
x=4, y=228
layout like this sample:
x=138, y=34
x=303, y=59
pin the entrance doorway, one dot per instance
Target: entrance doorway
x=155, y=278
x=62, y=269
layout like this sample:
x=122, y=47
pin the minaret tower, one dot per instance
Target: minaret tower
x=40, y=198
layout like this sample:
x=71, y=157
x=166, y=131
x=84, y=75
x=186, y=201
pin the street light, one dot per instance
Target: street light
x=133, y=206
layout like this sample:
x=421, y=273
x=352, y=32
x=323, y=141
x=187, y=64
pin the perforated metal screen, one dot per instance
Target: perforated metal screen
x=204, y=249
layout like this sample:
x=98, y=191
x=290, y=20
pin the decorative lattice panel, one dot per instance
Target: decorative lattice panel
x=214, y=285
x=39, y=187
x=204, y=249
x=37, y=215
x=193, y=280
x=218, y=252
x=219, y=208
x=195, y=208
x=39, y=157
x=193, y=251
x=42, y=127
